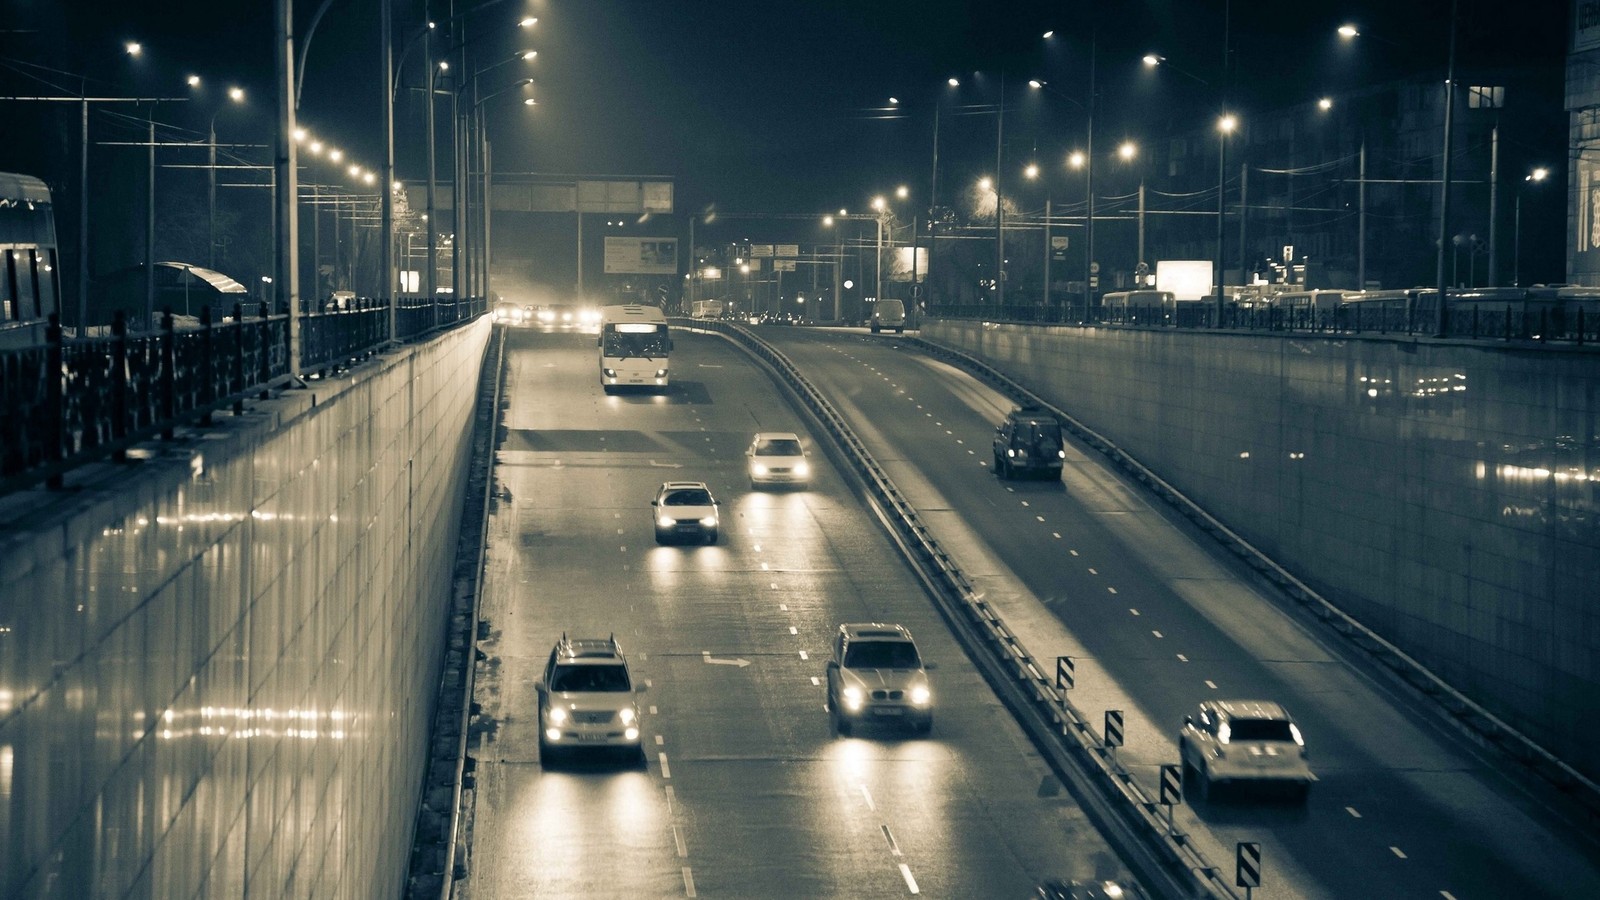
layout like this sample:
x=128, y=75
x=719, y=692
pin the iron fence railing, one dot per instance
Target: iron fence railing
x=1482, y=321
x=70, y=401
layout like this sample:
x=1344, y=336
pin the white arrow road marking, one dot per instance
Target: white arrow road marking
x=706, y=655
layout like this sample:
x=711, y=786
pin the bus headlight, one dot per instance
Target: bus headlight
x=661, y=373
x=609, y=373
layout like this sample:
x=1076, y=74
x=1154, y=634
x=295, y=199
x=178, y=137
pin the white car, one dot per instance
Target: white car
x=776, y=457
x=685, y=509
x=587, y=699
x=1235, y=742
x=876, y=675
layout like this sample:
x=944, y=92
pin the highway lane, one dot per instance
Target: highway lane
x=1157, y=622
x=745, y=792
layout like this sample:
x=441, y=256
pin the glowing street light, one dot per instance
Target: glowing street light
x=1032, y=171
x=1128, y=150
x=1349, y=32
x=134, y=48
x=1076, y=159
x=1537, y=175
x=1325, y=104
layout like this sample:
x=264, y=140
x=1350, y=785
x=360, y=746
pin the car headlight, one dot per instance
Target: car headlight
x=664, y=521
x=802, y=469
x=553, y=734
x=630, y=734
x=853, y=698
x=628, y=715
x=1011, y=453
x=709, y=521
x=920, y=695
x=557, y=715
x=1062, y=454
x=758, y=469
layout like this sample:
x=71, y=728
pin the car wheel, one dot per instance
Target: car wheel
x=661, y=538
x=711, y=537
x=924, y=728
x=1207, y=789
x=548, y=756
x=999, y=466
x=874, y=329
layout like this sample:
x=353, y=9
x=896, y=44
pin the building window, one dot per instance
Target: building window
x=1479, y=97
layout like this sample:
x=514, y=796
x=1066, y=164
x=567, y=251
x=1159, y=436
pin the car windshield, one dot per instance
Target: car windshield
x=631, y=344
x=778, y=447
x=590, y=679
x=687, y=497
x=881, y=655
x=1259, y=730
x=1045, y=432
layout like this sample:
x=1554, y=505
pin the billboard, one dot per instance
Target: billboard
x=900, y=265
x=1187, y=279
x=641, y=256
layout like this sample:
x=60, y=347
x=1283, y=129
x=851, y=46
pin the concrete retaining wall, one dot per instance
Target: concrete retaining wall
x=1443, y=493
x=217, y=666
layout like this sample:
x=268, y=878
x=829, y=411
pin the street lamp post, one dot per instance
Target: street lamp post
x=1225, y=126
x=1534, y=177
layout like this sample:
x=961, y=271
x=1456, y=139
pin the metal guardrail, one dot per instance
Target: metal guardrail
x=68, y=402
x=1482, y=321
x=1489, y=728
x=1060, y=730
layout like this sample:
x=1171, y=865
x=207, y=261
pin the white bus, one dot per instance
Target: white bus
x=707, y=309
x=634, y=345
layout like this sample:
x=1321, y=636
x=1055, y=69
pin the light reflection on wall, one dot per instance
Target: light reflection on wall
x=245, y=724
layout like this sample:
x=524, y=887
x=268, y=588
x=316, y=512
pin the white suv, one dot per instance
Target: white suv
x=1244, y=742
x=776, y=457
x=876, y=675
x=685, y=509
x=587, y=699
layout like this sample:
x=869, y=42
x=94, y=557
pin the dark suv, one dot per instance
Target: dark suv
x=1028, y=441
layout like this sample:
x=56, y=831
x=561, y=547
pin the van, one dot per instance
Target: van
x=889, y=314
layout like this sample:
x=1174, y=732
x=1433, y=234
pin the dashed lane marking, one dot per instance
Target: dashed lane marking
x=1093, y=572
x=677, y=837
x=652, y=710
x=793, y=630
x=911, y=883
x=1132, y=610
x=804, y=655
x=1398, y=852
x=660, y=740
x=1056, y=535
x=666, y=770
x=1040, y=518
x=1352, y=811
x=868, y=794
x=815, y=682
x=688, y=883
x=1211, y=684
x=1112, y=589
x=1158, y=634
x=1182, y=658
x=894, y=848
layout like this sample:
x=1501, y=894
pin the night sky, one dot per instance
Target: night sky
x=760, y=107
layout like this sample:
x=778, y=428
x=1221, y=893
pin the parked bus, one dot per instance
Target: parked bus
x=29, y=286
x=1142, y=307
x=707, y=309
x=634, y=345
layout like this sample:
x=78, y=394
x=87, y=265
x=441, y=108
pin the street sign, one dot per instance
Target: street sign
x=1064, y=673
x=1113, y=728
x=1171, y=786
x=760, y=250
x=1094, y=268
x=789, y=250
x=1094, y=281
x=783, y=265
x=1247, y=865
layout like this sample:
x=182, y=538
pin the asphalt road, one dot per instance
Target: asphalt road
x=1158, y=620
x=745, y=792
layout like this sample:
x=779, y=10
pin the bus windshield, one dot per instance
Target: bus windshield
x=617, y=344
